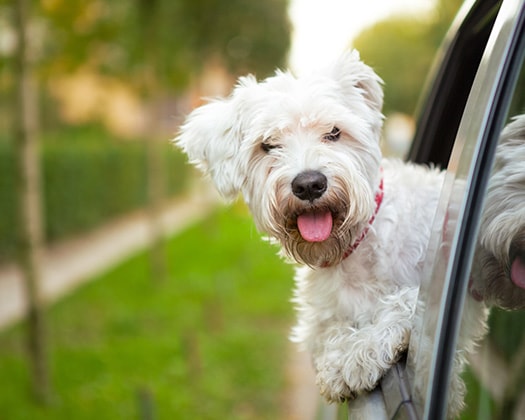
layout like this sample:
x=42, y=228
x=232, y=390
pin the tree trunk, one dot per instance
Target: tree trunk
x=157, y=249
x=155, y=162
x=29, y=201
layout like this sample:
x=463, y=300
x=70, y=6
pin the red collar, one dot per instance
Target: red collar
x=378, y=199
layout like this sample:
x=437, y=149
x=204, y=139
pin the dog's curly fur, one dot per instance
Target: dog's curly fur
x=498, y=274
x=355, y=304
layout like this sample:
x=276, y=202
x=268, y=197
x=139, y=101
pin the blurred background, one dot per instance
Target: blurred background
x=126, y=289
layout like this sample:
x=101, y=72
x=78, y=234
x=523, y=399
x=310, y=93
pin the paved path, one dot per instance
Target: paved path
x=302, y=398
x=72, y=262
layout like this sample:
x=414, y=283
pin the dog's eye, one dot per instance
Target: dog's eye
x=333, y=135
x=267, y=146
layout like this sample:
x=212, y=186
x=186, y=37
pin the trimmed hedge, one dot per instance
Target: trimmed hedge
x=85, y=183
x=7, y=204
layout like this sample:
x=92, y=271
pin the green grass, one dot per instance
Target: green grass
x=210, y=343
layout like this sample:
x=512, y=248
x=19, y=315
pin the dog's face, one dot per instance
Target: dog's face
x=304, y=152
x=499, y=267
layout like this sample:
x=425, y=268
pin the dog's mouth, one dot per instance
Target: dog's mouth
x=517, y=272
x=517, y=258
x=315, y=226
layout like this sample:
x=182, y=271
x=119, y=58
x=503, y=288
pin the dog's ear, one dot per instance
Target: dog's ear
x=211, y=137
x=351, y=72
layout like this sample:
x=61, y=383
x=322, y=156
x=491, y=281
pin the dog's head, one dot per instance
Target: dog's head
x=499, y=266
x=304, y=152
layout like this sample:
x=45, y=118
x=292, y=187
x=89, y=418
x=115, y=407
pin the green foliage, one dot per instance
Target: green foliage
x=507, y=330
x=207, y=344
x=239, y=32
x=478, y=400
x=87, y=184
x=401, y=49
x=171, y=38
x=7, y=203
x=403, y=61
x=155, y=48
x=87, y=180
x=506, y=339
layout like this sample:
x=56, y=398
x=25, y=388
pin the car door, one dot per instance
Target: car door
x=446, y=299
x=477, y=86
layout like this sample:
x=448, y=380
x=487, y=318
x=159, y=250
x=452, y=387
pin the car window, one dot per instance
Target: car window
x=442, y=347
x=448, y=88
x=496, y=373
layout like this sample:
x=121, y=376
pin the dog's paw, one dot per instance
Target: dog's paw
x=363, y=377
x=342, y=387
x=342, y=382
x=344, y=378
x=333, y=388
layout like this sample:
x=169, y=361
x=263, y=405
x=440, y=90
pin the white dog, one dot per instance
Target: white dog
x=498, y=274
x=304, y=153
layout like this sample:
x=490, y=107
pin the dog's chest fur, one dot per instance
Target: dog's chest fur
x=391, y=255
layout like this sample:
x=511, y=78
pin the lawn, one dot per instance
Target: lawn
x=210, y=343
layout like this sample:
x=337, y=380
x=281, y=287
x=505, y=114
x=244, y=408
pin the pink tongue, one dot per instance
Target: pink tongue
x=517, y=272
x=315, y=227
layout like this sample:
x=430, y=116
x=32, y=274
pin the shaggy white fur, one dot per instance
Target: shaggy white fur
x=499, y=264
x=304, y=153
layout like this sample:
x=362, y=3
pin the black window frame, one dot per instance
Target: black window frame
x=438, y=120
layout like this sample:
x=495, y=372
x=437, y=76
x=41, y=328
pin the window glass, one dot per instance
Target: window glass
x=452, y=317
x=496, y=373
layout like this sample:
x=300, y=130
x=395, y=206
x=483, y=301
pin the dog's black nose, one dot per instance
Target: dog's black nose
x=309, y=185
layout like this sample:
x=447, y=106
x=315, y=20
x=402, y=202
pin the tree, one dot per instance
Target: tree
x=148, y=10
x=28, y=177
x=182, y=38
x=401, y=49
x=108, y=36
x=250, y=36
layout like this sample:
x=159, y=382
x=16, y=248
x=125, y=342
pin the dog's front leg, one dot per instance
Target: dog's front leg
x=351, y=359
